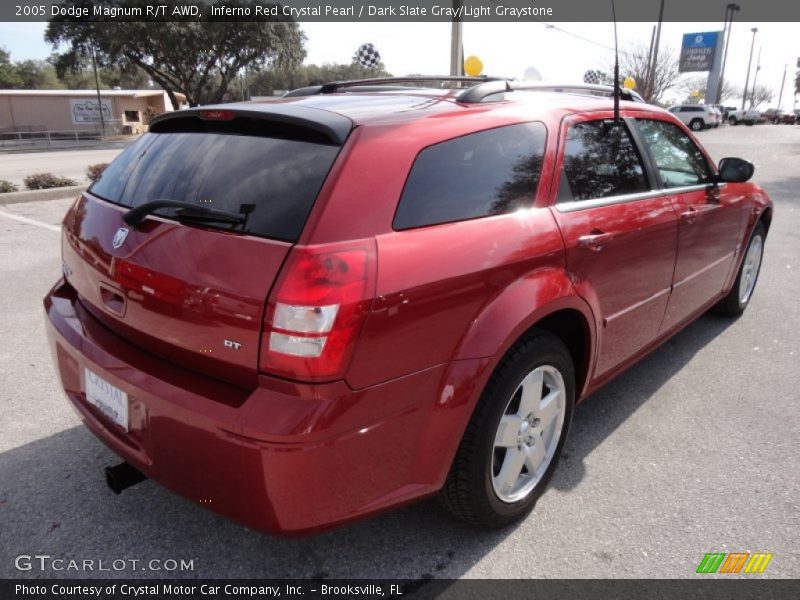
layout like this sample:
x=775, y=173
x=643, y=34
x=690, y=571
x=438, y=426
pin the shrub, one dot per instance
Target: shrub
x=93, y=172
x=150, y=113
x=7, y=186
x=44, y=181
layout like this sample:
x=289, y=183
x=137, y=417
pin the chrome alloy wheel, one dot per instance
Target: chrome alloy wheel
x=528, y=433
x=750, y=266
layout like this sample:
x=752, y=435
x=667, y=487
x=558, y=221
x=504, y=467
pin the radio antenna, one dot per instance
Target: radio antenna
x=616, y=65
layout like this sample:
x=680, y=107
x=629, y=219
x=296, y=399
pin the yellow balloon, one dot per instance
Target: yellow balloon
x=629, y=83
x=473, y=66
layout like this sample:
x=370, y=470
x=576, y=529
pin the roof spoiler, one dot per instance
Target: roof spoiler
x=333, y=126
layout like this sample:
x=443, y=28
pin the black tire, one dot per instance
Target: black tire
x=731, y=305
x=696, y=124
x=733, y=121
x=468, y=492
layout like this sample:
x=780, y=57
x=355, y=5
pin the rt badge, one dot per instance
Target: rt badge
x=119, y=237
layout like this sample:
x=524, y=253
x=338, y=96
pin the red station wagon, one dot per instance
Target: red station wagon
x=304, y=311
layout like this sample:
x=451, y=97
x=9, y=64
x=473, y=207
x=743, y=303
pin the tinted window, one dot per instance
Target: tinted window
x=600, y=160
x=487, y=173
x=281, y=176
x=678, y=159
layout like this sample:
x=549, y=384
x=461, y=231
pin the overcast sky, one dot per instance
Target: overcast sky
x=560, y=54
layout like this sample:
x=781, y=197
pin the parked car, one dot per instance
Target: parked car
x=697, y=116
x=778, y=117
x=748, y=117
x=301, y=312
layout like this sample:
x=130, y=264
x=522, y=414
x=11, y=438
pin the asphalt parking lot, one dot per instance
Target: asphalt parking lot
x=70, y=163
x=693, y=450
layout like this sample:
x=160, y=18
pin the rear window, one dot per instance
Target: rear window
x=486, y=173
x=280, y=170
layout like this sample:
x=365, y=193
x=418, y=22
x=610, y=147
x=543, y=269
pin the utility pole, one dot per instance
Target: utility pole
x=456, y=43
x=654, y=64
x=755, y=77
x=749, y=63
x=647, y=72
x=97, y=87
x=730, y=11
x=783, y=83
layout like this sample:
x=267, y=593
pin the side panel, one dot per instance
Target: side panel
x=435, y=283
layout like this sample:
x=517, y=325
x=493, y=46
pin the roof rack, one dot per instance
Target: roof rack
x=337, y=86
x=479, y=93
x=483, y=87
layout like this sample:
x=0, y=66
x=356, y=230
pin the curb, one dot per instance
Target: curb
x=35, y=195
x=116, y=145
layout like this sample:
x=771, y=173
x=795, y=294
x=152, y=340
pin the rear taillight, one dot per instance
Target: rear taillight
x=317, y=310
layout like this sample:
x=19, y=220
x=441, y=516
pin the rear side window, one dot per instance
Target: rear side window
x=491, y=172
x=679, y=161
x=600, y=160
x=278, y=171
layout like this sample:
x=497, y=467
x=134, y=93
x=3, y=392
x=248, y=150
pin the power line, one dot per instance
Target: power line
x=574, y=35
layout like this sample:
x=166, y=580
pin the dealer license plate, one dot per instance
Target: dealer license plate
x=109, y=399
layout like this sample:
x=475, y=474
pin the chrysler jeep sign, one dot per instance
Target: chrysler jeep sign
x=697, y=51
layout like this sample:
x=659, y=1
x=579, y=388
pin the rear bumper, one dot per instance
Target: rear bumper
x=285, y=457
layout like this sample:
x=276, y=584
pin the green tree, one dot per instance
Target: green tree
x=199, y=59
x=37, y=75
x=9, y=78
x=79, y=74
x=267, y=82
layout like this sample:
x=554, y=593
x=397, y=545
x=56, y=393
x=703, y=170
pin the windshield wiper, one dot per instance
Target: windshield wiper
x=187, y=211
x=184, y=214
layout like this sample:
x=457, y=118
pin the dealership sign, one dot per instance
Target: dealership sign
x=85, y=111
x=697, y=51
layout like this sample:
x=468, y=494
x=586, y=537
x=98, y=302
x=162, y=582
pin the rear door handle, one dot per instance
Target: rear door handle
x=690, y=215
x=595, y=241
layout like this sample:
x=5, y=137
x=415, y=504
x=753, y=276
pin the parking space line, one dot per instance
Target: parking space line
x=28, y=221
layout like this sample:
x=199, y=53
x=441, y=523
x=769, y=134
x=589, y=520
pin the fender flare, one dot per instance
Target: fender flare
x=518, y=308
x=492, y=332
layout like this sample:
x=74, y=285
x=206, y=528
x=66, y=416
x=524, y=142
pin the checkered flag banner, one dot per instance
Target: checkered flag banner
x=368, y=56
x=593, y=76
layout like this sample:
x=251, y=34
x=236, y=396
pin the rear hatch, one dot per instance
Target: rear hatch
x=190, y=289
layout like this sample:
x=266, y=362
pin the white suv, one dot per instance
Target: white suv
x=697, y=116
